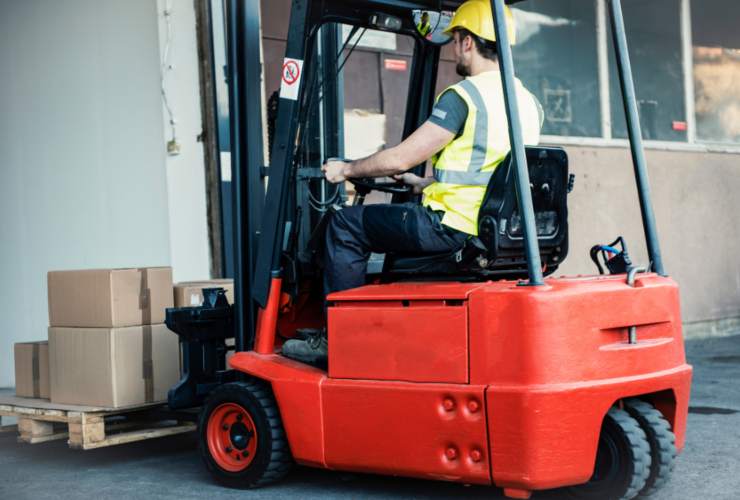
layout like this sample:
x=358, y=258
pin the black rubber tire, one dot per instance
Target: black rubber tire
x=662, y=442
x=272, y=458
x=625, y=451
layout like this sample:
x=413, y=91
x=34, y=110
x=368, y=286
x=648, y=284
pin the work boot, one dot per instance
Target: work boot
x=313, y=350
x=307, y=333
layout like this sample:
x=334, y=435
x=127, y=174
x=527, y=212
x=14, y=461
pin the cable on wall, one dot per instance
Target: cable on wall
x=173, y=147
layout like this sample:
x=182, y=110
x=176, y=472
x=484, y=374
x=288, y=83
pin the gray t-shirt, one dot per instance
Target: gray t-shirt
x=450, y=112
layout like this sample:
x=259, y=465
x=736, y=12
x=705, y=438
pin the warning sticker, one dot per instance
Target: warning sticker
x=396, y=64
x=292, y=70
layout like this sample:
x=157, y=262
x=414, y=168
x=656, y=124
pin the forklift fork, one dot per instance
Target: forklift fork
x=203, y=332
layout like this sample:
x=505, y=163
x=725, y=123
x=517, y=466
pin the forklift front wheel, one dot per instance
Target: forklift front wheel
x=242, y=441
x=622, y=460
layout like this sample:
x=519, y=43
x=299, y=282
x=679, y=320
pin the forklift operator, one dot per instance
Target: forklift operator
x=466, y=137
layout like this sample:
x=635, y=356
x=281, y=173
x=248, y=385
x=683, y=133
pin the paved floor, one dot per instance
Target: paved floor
x=170, y=467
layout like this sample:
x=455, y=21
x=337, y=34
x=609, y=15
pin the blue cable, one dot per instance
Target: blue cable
x=610, y=249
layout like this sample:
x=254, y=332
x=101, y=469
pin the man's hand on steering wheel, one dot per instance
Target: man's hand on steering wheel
x=335, y=171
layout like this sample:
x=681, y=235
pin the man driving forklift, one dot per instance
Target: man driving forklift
x=466, y=138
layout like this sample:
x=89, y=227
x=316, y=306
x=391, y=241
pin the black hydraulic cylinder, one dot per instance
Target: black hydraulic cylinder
x=516, y=138
x=333, y=92
x=635, y=134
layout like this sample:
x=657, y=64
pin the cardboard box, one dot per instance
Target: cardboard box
x=32, y=369
x=112, y=367
x=190, y=293
x=109, y=298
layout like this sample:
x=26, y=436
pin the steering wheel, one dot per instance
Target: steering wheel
x=363, y=185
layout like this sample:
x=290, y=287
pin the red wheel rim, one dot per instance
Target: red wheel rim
x=232, y=437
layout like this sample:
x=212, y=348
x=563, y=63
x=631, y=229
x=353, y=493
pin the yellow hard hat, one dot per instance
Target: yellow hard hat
x=476, y=17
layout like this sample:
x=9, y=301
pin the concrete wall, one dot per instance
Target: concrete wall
x=82, y=169
x=186, y=189
x=693, y=193
x=696, y=206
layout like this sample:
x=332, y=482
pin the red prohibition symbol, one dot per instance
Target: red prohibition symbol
x=291, y=72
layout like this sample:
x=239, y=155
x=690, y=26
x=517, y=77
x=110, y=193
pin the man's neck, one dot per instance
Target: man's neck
x=483, y=66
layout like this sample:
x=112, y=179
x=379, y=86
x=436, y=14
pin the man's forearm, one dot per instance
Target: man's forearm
x=414, y=150
x=381, y=164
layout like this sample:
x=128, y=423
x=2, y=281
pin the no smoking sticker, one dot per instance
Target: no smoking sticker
x=291, y=80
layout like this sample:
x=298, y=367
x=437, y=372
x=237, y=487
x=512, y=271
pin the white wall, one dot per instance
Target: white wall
x=190, y=252
x=82, y=161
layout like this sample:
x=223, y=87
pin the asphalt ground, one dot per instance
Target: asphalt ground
x=709, y=467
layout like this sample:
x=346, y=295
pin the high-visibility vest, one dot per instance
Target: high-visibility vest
x=424, y=29
x=464, y=167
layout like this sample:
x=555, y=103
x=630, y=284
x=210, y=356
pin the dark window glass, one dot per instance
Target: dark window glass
x=654, y=40
x=376, y=87
x=716, y=40
x=556, y=58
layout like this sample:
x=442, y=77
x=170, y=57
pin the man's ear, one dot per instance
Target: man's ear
x=467, y=42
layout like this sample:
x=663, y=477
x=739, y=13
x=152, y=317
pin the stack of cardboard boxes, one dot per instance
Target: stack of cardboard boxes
x=108, y=346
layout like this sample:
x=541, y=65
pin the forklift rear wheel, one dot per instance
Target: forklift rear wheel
x=662, y=442
x=241, y=436
x=622, y=460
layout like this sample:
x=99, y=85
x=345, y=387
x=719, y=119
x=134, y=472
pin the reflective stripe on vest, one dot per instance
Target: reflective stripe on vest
x=467, y=178
x=480, y=141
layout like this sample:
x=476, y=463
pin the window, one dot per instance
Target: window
x=376, y=83
x=654, y=39
x=556, y=58
x=716, y=52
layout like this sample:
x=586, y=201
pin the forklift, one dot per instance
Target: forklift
x=477, y=367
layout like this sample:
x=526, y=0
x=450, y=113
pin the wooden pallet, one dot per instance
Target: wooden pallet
x=87, y=427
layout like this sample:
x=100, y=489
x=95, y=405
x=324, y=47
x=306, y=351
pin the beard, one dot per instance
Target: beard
x=462, y=70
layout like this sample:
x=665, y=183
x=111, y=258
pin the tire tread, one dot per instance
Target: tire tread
x=661, y=439
x=280, y=459
x=641, y=456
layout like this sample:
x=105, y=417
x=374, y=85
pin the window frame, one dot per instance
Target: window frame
x=692, y=144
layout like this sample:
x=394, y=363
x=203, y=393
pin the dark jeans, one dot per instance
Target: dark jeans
x=354, y=232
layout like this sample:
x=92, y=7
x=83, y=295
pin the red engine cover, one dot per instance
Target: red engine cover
x=453, y=380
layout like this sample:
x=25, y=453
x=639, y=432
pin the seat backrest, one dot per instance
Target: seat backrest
x=499, y=221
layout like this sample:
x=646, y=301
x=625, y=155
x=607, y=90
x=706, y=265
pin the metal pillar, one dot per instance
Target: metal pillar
x=518, y=153
x=245, y=115
x=635, y=134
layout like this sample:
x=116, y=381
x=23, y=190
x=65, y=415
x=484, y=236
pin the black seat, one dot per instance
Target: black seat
x=498, y=251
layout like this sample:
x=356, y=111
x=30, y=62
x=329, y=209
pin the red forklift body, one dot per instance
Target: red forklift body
x=481, y=382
